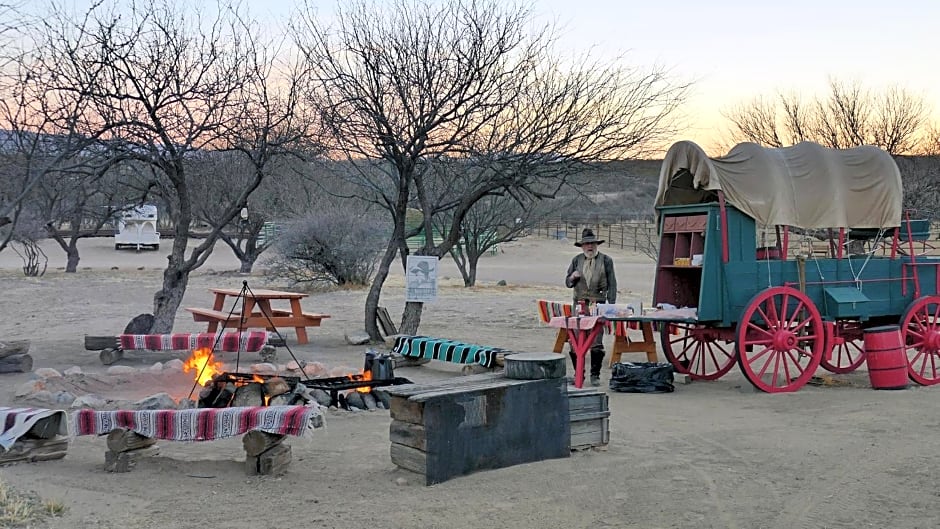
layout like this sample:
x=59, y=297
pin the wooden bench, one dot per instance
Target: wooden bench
x=32, y=434
x=111, y=348
x=256, y=320
x=264, y=429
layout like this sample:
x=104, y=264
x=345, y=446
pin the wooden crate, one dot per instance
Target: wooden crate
x=476, y=423
x=589, y=415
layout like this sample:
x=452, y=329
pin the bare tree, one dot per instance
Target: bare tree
x=850, y=115
x=406, y=85
x=161, y=81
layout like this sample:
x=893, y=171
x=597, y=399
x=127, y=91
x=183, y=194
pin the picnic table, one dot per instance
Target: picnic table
x=253, y=309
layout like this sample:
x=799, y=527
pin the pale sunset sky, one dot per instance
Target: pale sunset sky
x=735, y=50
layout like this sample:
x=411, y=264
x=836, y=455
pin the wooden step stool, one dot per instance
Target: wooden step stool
x=622, y=343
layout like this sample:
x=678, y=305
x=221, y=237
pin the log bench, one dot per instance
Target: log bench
x=32, y=434
x=132, y=435
x=111, y=348
x=425, y=348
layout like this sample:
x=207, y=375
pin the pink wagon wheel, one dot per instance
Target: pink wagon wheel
x=847, y=348
x=696, y=351
x=920, y=332
x=780, y=340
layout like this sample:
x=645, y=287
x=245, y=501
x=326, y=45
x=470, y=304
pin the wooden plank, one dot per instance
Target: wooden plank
x=13, y=347
x=405, y=410
x=409, y=458
x=97, y=343
x=408, y=434
x=500, y=383
x=257, y=442
x=124, y=440
x=385, y=322
x=408, y=390
x=35, y=450
x=126, y=461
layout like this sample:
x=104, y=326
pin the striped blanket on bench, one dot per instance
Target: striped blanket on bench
x=17, y=422
x=249, y=342
x=200, y=424
x=446, y=350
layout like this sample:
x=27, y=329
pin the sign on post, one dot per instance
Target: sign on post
x=421, y=278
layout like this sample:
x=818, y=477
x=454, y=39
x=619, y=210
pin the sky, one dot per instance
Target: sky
x=736, y=50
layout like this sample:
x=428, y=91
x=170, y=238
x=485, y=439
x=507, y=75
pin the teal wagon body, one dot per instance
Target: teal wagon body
x=780, y=310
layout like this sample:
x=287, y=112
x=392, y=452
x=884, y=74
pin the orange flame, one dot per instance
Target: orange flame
x=199, y=362
x=365, y=375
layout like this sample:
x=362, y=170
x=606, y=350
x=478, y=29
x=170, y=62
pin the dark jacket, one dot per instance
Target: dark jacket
x=606, y=295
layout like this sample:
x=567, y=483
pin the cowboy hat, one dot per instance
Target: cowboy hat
x=587, y=236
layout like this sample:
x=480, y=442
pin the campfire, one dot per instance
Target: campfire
x=223, y=389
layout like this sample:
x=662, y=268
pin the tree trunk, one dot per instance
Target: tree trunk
x=167, y=301
x=411, y=317
x=72, y=257
x=473, y=260
x=375, y=291
x=246, y=264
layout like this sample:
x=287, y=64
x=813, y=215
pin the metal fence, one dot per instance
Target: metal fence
x=634, y=235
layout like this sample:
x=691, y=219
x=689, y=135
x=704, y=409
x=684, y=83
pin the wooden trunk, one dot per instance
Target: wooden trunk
x=26, y=450
x=22, y=363
x=97, y=343
x=126, y=461
x=534, y=366
x=257, y=442
x=122, y=440
x=14, y=347
x=475, y=423
x=272, y=462
x=110, y=355
x=589, y=415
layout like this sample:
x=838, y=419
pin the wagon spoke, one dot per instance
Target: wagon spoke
x=760, y=329
x=796, y=314
x=692, y=352
x=920, y=336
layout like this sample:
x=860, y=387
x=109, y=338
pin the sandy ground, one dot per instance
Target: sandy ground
x=712, y=454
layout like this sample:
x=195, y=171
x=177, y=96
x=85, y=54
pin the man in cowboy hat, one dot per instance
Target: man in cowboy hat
x=591, y=275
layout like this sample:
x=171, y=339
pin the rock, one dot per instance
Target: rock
x=47, y=372
x=401, y=482
x=342, y=371
x=186, y=404
x=141, y=324
x=383, y=398
x=369, y=401
x=156, y=368
x=322, y=397
x=63, y=398
x=121, y=370
x=501, y=282
x=160, y=401
x=30, y=387
x=42, y=395
x=74, y=370
x=357, y=338
x=173, y=365
x=268, y=353
x=264, y=369
x=88, y=401
x=295, y=365
x=354, y=400
x=315, y=369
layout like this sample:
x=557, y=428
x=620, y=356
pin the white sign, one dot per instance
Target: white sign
x=421, y=278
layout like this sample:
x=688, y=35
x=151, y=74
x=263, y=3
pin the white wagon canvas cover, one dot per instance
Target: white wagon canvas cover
x=805, y=186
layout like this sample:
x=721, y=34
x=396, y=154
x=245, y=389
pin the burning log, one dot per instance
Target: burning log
x=275, y=386
x=21, y=363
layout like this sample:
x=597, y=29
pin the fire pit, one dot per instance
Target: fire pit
x=247, y=389
x=361, y=383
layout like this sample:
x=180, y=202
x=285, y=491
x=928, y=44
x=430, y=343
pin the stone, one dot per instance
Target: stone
x=122, y=370
x=74, y=370
x=42, y=395
x=268, y=353
x=501, y=282
x=156, y=368
x=88, y=401
x=186, y=404
x=27, y=388
x=63, y=398
x=322, y=397
x=315, y=369
x=401, y=482
x=354, y=400
x=173, y=365
x=357, y=338
x=159, y=401
x=295, y=365
x=264, y=369
x=369, y=401
x=141, y=324
x=47, y=372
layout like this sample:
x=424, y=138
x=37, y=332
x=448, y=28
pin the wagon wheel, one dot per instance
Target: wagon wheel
x=847, y=348
x=920, y=332
x=780, y=340
x=695, y=351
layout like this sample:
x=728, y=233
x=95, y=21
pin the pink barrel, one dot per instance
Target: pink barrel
x=886, y=359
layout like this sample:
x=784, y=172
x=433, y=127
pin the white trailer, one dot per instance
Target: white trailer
x=137, y=228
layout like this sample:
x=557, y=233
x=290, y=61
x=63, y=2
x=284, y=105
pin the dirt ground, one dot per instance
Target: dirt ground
x=714, y=454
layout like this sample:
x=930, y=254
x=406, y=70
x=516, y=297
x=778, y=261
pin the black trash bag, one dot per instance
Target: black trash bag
x=642, y=377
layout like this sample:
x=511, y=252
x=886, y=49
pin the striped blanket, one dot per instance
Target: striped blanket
x=446, y=350
x=15, y=422
x=249, y=342
x=551, y=309
x=200, y=424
